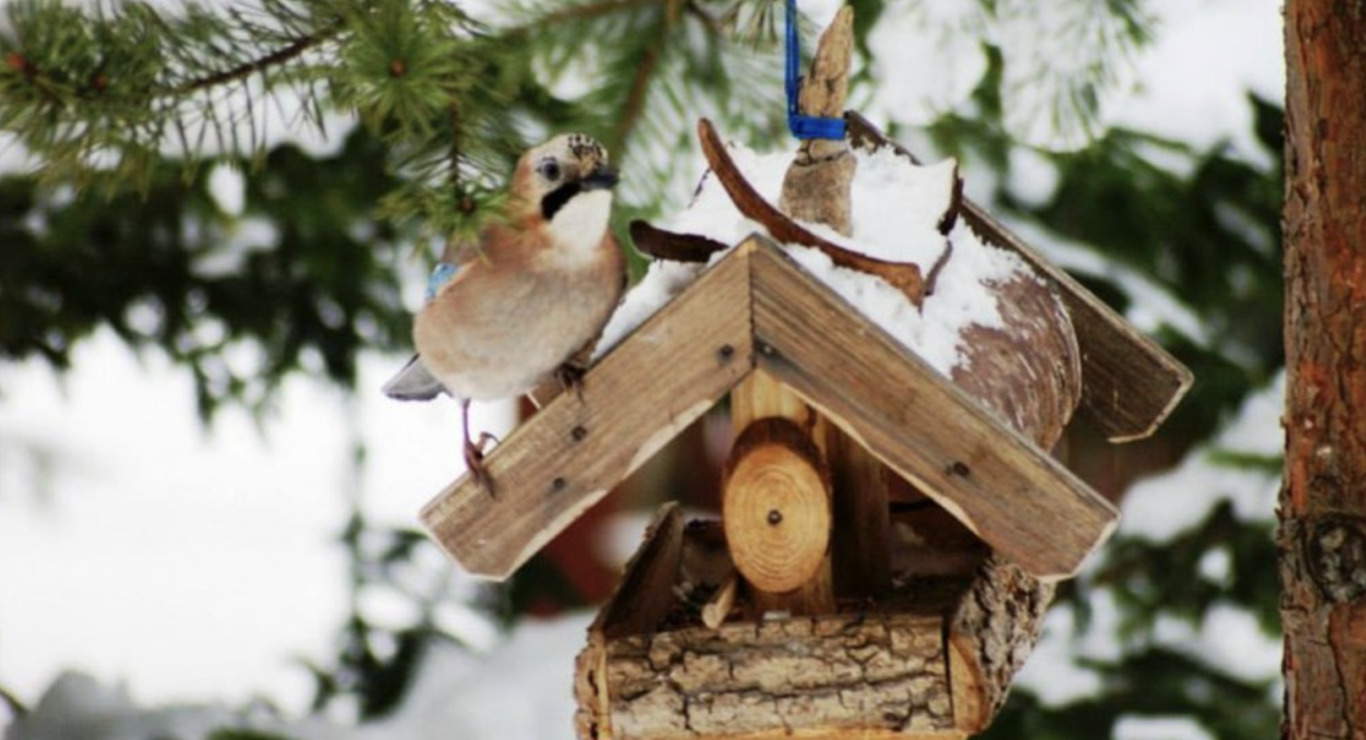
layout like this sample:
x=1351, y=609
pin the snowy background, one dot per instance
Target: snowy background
x=176, y=564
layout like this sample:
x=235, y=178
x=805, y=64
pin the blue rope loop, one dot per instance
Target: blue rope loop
x=803, y=126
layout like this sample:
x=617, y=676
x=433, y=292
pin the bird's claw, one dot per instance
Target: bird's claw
x=474, y=460
x=571, y=378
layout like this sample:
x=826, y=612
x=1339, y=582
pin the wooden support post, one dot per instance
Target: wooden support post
x=816, y=188
x=776, y=467
x=860, y=552
x=775, y=505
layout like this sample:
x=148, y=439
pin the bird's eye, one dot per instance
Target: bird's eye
x=550, y=170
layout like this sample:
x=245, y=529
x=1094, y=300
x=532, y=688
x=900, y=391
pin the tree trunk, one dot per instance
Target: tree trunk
x=1322, y=536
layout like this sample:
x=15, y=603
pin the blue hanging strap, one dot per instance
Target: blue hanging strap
x=802, y=126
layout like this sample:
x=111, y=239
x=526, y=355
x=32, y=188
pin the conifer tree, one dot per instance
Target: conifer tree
x=1322, y=533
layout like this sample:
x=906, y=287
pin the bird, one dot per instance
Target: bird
x=527, y=300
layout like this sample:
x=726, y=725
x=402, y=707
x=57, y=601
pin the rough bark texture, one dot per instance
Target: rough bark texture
x=1322, y=535
x=991, y=635
x=1029, y=373
x=867, y=672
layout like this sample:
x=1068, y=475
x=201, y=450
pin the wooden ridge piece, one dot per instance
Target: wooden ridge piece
x=1011, y=494
x=903, y=276
x=570, y=454
x=1130, y=383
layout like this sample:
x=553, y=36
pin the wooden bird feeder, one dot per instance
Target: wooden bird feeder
x=889, y=537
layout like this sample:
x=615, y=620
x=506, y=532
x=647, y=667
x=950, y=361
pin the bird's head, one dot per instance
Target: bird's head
x=567, y=184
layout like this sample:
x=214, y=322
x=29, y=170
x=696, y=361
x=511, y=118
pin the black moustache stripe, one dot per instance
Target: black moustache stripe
x=555, y=199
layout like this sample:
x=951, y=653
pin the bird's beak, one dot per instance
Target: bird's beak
x=603, y=177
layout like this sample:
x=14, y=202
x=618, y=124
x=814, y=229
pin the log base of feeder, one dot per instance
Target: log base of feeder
x=931, y=660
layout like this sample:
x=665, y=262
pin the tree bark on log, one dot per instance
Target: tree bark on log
x=995, y=626
x=992, y=633
x=861, y=672
x=1322, y=533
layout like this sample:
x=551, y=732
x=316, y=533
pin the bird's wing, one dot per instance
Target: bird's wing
x=414, y=383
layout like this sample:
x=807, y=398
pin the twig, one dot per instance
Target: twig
x=703, y=17
x=932, y=279
x=282, y=55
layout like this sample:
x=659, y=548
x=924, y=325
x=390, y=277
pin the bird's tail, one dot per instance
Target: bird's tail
x=414, y=383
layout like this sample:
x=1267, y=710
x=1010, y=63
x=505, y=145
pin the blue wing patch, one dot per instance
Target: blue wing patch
x=441, y=274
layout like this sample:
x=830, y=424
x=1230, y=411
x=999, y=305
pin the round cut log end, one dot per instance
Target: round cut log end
x=776, y=506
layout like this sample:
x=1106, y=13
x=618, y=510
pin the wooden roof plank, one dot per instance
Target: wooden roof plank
x=570, y=454
x=1013, y=495
x=1130, y=384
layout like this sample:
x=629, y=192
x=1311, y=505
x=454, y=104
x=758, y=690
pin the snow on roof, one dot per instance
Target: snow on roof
x=896, y=207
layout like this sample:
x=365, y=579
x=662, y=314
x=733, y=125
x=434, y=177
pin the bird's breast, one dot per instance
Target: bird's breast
x=577, y=230
x=498, y=333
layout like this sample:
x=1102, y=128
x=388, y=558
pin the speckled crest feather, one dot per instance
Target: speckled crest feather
x=585, y=147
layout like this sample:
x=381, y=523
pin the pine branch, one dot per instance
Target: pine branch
x=280, y=57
